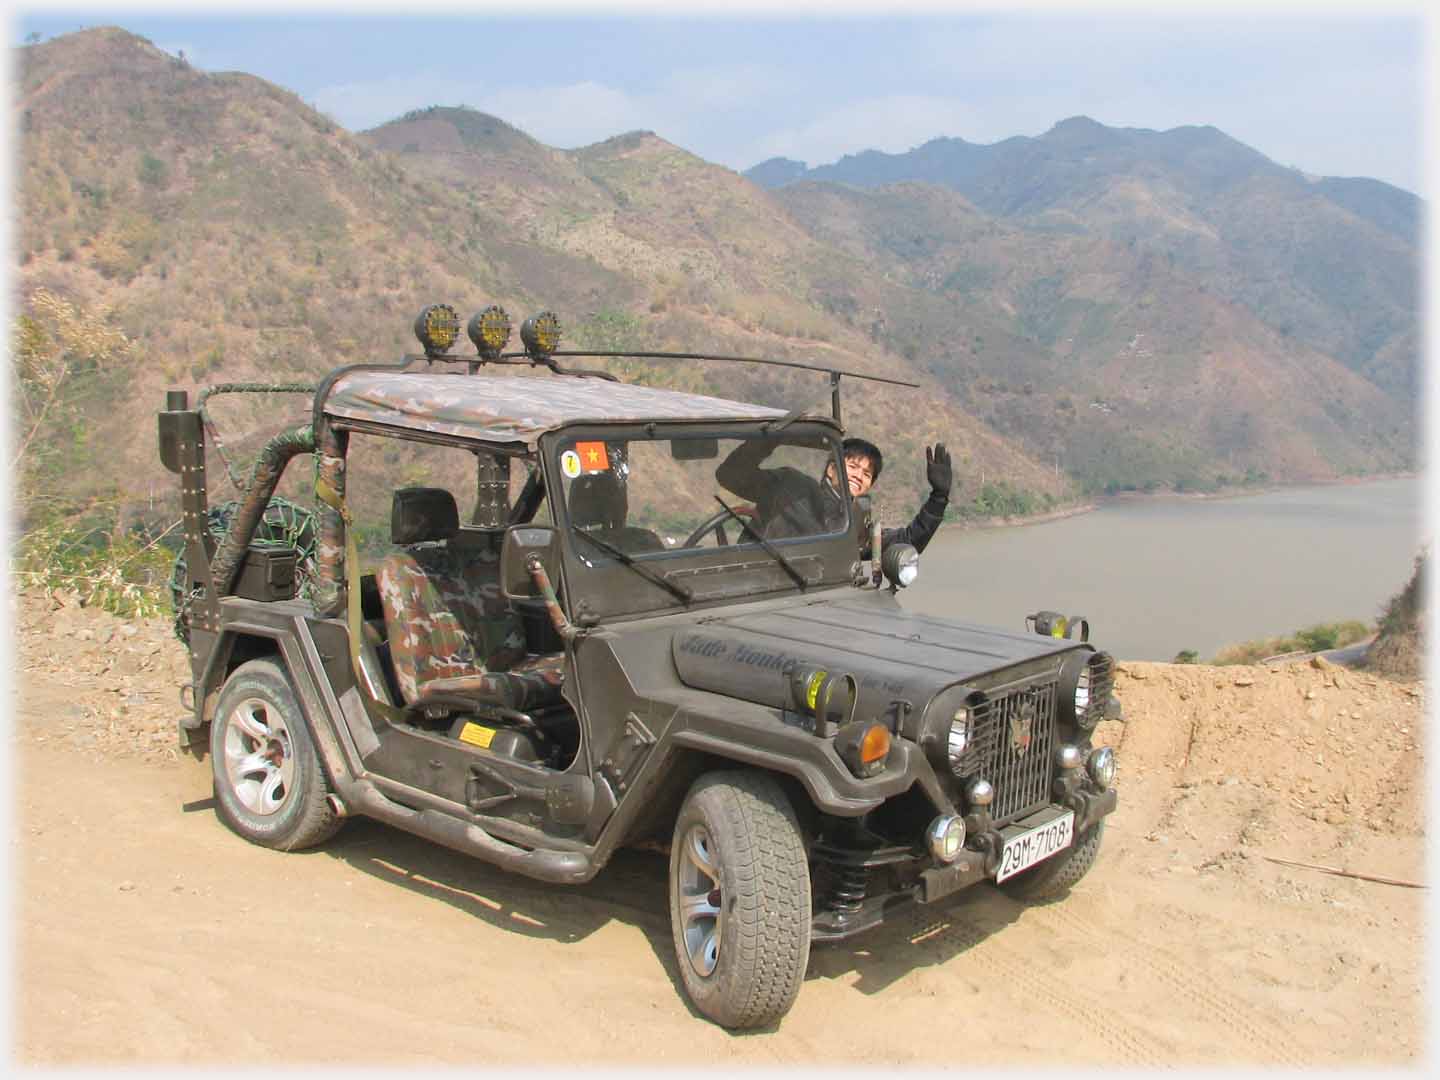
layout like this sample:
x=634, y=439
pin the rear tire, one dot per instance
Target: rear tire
x=1055, y=876
x=269, y=786
x=740, y=899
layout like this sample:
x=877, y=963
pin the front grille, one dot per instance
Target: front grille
x=1014, y=745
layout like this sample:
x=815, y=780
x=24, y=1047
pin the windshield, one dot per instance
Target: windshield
x=648, y=496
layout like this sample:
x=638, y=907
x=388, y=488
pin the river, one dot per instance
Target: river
x=1155, y=576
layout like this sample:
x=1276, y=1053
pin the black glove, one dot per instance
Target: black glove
x=937, y=469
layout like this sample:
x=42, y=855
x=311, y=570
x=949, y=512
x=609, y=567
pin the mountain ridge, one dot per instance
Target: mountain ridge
x=237, y=233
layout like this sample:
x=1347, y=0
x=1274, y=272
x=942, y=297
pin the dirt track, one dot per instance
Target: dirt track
x=146, y=933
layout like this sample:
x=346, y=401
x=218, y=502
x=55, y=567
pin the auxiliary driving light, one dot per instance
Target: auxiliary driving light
x=489, y=330
x=540, y=334
x=1053, y=624
x=946, y=837
x=863, y=746
x=1101, y=767
x=901, y=564
x=1069, y=757
x=437, y=326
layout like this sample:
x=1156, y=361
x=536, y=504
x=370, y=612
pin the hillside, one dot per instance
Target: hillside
x=236, y=233
x=1065, y=340
x=1332, y=262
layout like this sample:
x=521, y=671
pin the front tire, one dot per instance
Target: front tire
x=1055, y=876
x=269, y=786
x=740, y=899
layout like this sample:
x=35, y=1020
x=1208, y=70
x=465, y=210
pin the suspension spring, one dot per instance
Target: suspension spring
x=849, y=891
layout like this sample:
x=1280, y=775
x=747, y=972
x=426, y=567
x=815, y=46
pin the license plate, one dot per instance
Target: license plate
x=1036, y=845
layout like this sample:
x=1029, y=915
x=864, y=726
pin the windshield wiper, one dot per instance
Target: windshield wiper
x=675, y=589
x=770, y=548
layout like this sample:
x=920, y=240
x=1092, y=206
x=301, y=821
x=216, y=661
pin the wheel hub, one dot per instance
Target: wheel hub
x=698, y=887
x=258, y=763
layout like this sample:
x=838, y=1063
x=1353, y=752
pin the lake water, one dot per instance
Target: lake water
x=1160, y=575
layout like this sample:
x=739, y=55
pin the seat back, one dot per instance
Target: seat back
x=444, y=615
x=598, y=504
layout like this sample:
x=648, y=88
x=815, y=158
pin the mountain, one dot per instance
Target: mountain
x=1332, y=263
x=1084, y=325
x=236, y=234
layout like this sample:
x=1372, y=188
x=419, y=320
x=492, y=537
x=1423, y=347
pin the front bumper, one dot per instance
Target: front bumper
x=937, y=882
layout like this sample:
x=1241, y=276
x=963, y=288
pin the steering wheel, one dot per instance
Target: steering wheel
x=716, y=523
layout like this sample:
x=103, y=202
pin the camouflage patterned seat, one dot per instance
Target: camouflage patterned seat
x=453, y=640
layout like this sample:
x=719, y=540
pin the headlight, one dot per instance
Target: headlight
x=953, y=730
x=901, y=564
x=1084, y=687
x=958, y=739
x=946, y=837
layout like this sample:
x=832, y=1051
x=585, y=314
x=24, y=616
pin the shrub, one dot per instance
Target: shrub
x=123, y=571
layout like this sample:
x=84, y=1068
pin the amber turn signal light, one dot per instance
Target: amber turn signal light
x=864, y=746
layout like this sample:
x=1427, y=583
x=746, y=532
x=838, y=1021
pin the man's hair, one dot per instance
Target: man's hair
x=869, y=450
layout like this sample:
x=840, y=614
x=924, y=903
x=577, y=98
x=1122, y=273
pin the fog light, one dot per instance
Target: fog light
x=1101, y=767
x=980, y=793
x=1069, y=757
x=946, y=837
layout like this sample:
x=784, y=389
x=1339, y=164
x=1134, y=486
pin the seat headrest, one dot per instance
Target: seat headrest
x=422, y=514
x=597, y=500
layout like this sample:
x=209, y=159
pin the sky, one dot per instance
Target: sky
x=1332, y=90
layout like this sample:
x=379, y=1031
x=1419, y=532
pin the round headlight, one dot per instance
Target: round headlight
x=958, y=739
x=1101, y=767
x=1068, y=757
x=901, y=564
x=946, y=837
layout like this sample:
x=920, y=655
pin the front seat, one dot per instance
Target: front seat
x=454, y=641
x=598, y=504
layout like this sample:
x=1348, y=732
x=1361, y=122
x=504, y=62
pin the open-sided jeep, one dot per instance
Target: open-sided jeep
x=597, y=619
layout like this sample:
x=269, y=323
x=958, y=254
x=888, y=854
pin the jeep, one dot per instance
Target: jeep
x=576, y=632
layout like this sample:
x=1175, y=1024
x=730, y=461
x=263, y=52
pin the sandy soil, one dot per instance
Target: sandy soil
x=147, y=933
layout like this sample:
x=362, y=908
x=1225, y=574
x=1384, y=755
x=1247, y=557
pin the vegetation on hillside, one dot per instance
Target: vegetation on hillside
x=1399, y=650
x=1066, y=343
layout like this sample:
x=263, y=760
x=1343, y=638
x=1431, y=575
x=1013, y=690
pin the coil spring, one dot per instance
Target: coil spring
x=850, y=887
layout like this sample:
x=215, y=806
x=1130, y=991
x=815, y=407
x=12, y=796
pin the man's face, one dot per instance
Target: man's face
x=858, y=472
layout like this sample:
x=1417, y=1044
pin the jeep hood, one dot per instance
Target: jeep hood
x=891, y=652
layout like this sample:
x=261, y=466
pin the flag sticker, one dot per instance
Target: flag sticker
x=593, y=457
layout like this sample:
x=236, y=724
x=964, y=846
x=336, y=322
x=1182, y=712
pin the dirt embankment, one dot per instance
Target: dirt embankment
x=1252, y=905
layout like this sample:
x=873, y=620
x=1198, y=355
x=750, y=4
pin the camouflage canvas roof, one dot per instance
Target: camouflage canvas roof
x=508, y=408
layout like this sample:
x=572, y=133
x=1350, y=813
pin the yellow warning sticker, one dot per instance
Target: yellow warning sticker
x=812, y=689
x=476, y=735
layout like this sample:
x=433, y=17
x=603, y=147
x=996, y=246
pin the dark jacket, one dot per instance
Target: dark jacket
x=792, y=504
x=788, y=502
